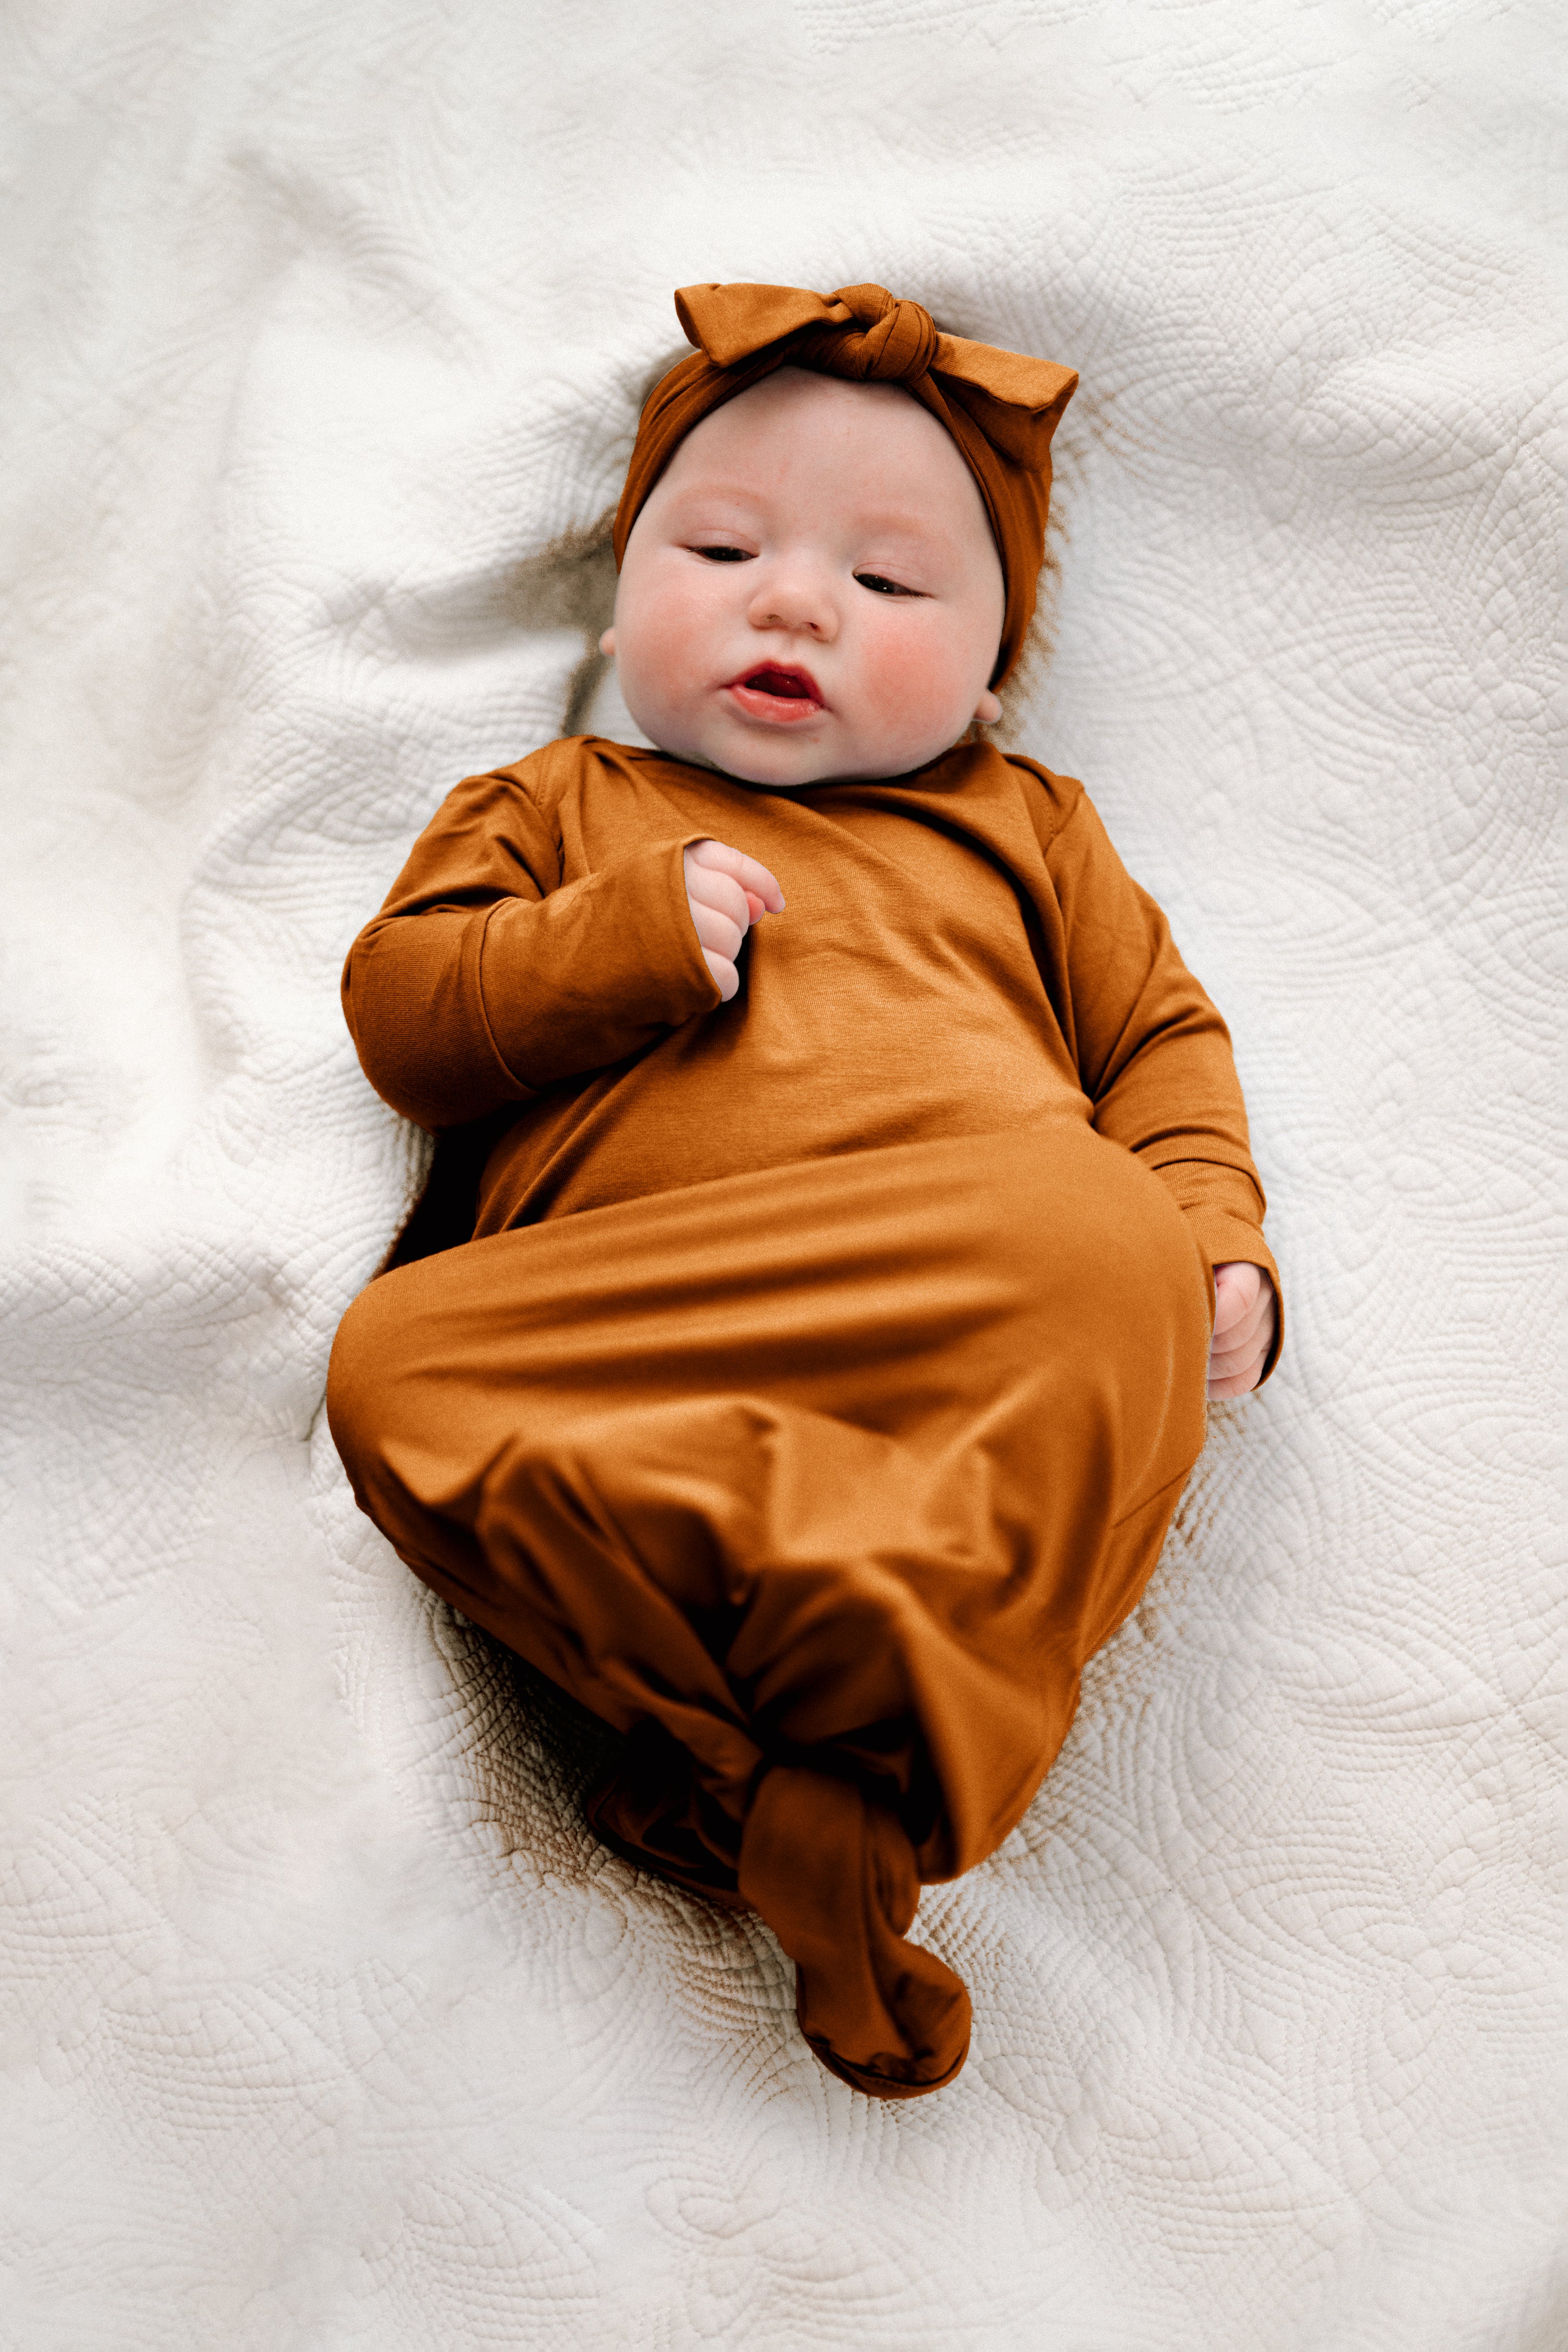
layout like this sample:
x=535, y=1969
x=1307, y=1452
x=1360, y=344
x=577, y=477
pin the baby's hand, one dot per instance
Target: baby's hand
x=727, y=893
x=1243, y=1328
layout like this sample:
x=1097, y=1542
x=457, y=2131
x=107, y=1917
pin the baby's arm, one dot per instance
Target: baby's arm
x=488, y=976
x=1154, y=1058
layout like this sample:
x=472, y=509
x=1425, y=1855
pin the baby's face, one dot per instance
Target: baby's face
x=812, y=589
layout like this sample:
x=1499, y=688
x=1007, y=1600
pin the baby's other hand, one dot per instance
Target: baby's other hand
x=1244, y=1318
x=727, y=892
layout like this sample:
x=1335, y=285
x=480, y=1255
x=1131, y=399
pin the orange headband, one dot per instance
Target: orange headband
x=1000, y=408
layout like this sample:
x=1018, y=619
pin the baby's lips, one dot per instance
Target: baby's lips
x=782, y=695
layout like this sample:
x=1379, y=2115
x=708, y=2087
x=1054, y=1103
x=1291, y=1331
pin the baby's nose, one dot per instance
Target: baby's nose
x=796, y=596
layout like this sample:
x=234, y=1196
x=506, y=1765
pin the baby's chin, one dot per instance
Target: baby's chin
x=773, y=765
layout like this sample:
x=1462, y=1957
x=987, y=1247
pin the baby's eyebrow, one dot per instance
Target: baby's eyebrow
x=892, y=523
x=697, y=509
x=705, y=493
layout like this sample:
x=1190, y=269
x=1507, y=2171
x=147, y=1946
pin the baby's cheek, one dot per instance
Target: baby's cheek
x=663, y=646
x=918, y=679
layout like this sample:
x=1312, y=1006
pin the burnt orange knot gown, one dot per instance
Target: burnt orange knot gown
x=815, y=1391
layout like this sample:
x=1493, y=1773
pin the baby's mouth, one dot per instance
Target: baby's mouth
x=773, y=691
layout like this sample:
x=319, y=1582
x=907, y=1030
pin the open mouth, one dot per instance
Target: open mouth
x=772, y=691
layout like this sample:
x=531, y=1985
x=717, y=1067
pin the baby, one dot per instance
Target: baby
x=866, y=1190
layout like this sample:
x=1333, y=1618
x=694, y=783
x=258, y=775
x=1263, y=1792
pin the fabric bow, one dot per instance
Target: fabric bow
x=870, y=335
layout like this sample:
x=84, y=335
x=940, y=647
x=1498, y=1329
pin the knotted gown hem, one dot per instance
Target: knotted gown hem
x=820, y=1481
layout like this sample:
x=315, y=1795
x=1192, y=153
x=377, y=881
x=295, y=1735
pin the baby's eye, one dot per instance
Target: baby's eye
x=881, y=587
x=723, y=554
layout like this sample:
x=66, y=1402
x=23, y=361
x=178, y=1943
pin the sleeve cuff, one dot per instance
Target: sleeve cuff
x=597, y=972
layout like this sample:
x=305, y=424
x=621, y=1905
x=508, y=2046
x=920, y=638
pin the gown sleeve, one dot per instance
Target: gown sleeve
x=1153, y=1055
x=485, y=978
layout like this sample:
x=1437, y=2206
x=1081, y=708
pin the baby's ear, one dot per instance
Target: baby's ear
x=607, y=645
x=988, y=711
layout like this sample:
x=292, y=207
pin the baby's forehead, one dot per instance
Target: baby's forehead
x=879, y=431
x=800, y=390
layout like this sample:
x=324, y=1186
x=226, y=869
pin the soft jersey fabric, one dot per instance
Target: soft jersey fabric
x=961, y=951
x=816, y=1393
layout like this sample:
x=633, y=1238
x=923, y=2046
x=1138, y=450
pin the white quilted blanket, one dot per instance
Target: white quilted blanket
x=326, y=2025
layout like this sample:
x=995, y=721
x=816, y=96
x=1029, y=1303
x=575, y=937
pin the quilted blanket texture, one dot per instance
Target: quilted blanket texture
x=326, y=2024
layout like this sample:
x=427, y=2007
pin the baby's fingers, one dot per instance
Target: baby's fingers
x=720, y=928
x=706, y=887
x=724, y=973
x=1233, y=1370
x=1238, y=1291
x=1253, y=1331
x=754, y=878
x=1229, y=1363
x=1243, y=1328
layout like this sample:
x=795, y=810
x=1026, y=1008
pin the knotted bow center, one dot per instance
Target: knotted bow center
x=900, y=339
